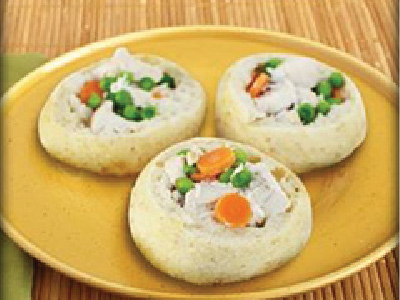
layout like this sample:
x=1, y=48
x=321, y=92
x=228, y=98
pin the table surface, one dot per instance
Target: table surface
x=367, y=29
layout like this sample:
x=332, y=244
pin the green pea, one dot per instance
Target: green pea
x=147, y=84
x=225, y=177
x=241, y=179
x=241, y=157
x=123, y=98
x=169, y=80
x=189, y=169
x=274, y=62
x=148, y=112
x=333, y=100
x=324, y=88
x=105, y=83
x=111, y=96
x=306, y=113
x=94, y=101
x=183, y=152
x=336, y=80
x=184, y=185
x=323, y=107
x=130, y=112
x=138, y=117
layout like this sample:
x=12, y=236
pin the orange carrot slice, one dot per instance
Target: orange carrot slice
x=254, y=75
x=233, y=209
x=216, y=161
x=259, y=84
x=88, y=88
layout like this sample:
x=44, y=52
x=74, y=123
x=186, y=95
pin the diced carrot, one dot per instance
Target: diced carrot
x=233, y=209
x=254, y=76
x=92, y=86
x=216, y=161
x=254, y=159
x=337, y=93
x=199, y=176
x=259, y=84
x=157, y=95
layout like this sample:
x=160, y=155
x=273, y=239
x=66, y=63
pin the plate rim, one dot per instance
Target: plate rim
x=118, y=288
x=296, y=288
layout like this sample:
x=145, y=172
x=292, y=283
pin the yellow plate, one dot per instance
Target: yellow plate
x=76, y=222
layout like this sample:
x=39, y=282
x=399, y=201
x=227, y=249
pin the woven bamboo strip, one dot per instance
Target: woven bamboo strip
x=366, y=282
x=309, y=296
x=36, y=282
x=319, y=295
x=393, y=274
x=338, y=291
x=376, y=285
x=55, y=285
x=385, y=280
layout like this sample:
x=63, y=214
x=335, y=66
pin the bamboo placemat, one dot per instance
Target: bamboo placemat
x=366, y=29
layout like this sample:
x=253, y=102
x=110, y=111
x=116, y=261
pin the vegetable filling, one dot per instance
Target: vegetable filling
x=272, y=82
x=120, y=90
x=227, y=186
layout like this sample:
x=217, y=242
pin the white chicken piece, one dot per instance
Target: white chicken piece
x=80, y=109
x=121, y=84
x=311, y=72
x=278, y=201
x=139, y=69
x=193, y=155
x=257, y=213
x=106, y=121
x=174, y=168
x=277, y=74
x=266, y=191
x=205, y=193
x=124, y=61
x=280, y=96
x=305, y=95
